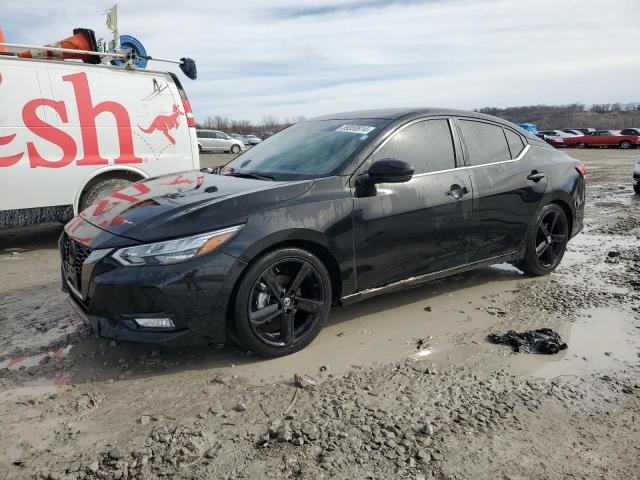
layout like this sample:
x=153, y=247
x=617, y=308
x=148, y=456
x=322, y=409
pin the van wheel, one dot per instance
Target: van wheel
x=282, y=302
x=582, y=145
x=546, y=242
x=101, y=189
x=235, y=149
x=625, y=144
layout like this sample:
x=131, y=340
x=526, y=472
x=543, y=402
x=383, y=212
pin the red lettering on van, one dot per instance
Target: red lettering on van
x=87, y=113
x=11, y=160
x=48, y=132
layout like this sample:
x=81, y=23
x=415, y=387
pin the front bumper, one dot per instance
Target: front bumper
x=194, y=294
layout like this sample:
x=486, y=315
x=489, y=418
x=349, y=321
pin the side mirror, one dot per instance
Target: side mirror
x=390, y=170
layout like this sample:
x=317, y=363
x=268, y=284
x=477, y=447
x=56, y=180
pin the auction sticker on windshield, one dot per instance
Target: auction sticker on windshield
x=359, y=129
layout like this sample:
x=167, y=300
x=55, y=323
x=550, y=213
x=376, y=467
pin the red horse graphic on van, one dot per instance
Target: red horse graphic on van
x=164, y=123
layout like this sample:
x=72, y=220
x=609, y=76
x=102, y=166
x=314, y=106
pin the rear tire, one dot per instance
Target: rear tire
x=625, y=144
x=101, y=189
x=282, y=302
x=546, y=242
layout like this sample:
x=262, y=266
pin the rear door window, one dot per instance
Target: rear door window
x=486, y=143
x=427, y=146
x=516, y=145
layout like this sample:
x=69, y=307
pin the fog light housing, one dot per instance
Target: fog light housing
x=160, y=322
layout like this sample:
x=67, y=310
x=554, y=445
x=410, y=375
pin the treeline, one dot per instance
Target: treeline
x=613, y=116
x=269, y=123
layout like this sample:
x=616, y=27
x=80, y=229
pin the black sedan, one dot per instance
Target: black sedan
x=327, y=212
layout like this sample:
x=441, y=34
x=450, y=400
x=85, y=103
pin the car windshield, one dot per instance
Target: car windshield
x=308, y=149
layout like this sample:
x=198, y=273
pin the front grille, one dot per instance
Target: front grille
x=74, y=254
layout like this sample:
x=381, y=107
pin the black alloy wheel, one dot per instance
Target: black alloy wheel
x=547, y=242
x=282, y=302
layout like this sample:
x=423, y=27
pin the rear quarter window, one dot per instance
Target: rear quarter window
x=516, y=145
x=486, y=143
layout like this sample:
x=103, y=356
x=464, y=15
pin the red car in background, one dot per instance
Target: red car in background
x=602, y=138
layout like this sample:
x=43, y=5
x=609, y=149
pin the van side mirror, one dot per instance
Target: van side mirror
x=390, y=170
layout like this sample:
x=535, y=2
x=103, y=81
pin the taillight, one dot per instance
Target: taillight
x=582, y=169
x=191, y=121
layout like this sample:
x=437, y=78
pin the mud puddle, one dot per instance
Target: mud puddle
x=600, y=340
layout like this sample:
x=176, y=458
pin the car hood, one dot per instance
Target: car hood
x=186, y=203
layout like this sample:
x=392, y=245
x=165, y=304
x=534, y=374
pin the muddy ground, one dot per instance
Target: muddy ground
x=400, y=386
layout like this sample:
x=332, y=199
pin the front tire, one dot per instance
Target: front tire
x=625, y=144
x=582, y=145
x=235, y=149
x=282, y=302
x=546, y=242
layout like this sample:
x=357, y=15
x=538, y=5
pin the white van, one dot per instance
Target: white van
x=72, y=132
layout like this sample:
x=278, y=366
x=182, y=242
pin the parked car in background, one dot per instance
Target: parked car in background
x=558, y=133
x=603, y=138
x=327, y=212
x=265, y=135
x=216, y=141
x=579, y=130
x=572, y=131
x=253, y=139
x=552, y=140
x=636, y=176
x=242, y=138
x=630, y=131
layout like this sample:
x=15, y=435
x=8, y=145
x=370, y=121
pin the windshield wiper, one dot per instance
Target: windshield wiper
x=256, y=176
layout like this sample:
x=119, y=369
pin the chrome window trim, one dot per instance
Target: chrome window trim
x=518, y=158
x=438, y=171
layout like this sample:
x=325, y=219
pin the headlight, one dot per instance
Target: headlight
x=174, y=251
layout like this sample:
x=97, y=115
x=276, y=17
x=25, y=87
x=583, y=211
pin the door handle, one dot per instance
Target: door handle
x=536, y=176
x=456, y=191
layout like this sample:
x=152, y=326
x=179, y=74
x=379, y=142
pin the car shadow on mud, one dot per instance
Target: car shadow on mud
x=374, y=330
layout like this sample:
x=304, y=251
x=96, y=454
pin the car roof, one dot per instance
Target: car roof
x=396, y=114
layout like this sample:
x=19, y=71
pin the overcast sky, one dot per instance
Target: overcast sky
x=291, y=57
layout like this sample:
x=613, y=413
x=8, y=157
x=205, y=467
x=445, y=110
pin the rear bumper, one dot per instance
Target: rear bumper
x=194, y=295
